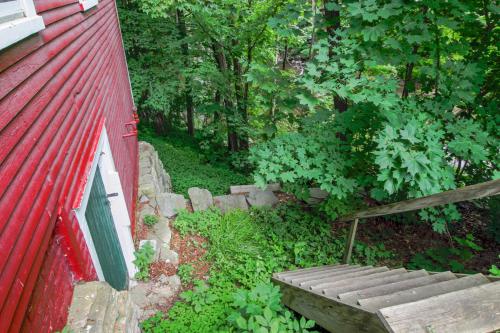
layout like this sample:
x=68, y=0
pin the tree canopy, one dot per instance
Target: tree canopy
x=373, y=101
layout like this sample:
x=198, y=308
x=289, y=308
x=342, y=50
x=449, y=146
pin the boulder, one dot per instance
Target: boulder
x=260, y=198
x=228, y=202
x=170, y=203
x=201, y=199
x=239, y=189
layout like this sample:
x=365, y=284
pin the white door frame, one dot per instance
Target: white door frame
x=104, y=159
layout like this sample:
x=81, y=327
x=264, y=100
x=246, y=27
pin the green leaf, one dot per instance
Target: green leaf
x=241, y=322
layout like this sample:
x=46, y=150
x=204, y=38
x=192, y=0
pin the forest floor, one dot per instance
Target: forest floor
x=406, y=240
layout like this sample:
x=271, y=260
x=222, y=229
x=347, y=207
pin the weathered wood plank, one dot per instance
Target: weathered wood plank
x=418, y=293
x=333, y=289
x=489, y=277
x=310, y=269
x=338, y=277
x=318, y=272
x=403, y=285
x=352, y=295
x=327, y=274
x=350, y=241
x=332, y=315
x=472, y=310
x=326, y=282
x=466, y=193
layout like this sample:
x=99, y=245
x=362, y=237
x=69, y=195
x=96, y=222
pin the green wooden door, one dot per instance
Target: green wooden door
x=104, y=236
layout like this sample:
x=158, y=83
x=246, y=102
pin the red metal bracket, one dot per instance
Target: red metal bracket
x=135, y=114
x=131, y=132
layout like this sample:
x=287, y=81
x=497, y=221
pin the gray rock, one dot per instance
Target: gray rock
x=201, y=199
x=169, y=256
x=146, y=210
x=171, y=287
x=147, y=188
x=316, y=196
x=96, y=307
x=260, y=198
x=145, y=294
x=144, y=199
x=161, y=232
x=239, y=189
x=233, y=201
x=145, y=147
x=170, y=203
x=140, y=294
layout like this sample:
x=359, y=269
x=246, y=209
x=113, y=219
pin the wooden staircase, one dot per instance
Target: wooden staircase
x=353, y=298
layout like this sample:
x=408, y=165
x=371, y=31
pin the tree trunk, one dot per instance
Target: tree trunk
x=181, y=24
x=220, y=60
x=285, y=55
x=408, y=75
x=332, y=18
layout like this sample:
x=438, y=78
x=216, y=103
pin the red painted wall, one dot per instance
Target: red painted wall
x=57, y=88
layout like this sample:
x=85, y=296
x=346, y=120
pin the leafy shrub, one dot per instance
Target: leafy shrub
x=150, y=220
x=260, y=310
x=143, y=258
x=184, y=162
x=245, y=249
x=185, y=273
x=446, y=258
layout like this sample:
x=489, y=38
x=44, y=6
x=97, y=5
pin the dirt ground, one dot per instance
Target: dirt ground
x=407, y=239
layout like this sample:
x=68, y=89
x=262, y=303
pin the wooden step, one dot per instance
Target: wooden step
x=311, y=269
x=308, y=280
x=350, y=293
x=326, y=282
x=418, y=293
x=312, y=274
x=335, y=288
x=403, y=285
x=475, y=309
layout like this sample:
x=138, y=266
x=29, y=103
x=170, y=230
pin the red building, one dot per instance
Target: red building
x=68, y=157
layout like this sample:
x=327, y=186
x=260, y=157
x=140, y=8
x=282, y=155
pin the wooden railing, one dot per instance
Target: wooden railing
x=466, y=193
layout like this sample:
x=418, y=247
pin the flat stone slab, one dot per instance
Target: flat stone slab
x=260, y=198
x=161, y=231
x=201, y=199
x=170, y=203
x=228, y=202
x=145, y=294
x=238, y=189
x=316, y=196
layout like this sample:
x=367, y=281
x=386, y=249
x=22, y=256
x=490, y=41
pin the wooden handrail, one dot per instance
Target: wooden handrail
x=462, y=194
x=466, y=193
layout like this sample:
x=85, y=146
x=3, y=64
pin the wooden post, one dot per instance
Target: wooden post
x=350, y=241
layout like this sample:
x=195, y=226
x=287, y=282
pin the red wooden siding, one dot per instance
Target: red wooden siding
x=57, y=89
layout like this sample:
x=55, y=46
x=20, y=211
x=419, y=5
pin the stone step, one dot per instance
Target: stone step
x=98, y=308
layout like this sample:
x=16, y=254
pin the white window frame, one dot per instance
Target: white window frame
x=104, y=159
x=18, y=20
x=87, y=4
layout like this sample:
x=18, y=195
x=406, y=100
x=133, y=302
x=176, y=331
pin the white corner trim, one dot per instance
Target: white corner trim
x=18, y=29
x=104, y=159
x=87, y=4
